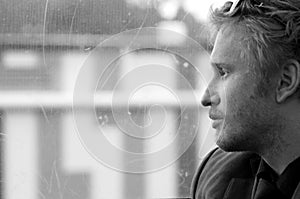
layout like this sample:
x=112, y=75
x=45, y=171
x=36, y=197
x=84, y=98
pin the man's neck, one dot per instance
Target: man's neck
x=279, y=156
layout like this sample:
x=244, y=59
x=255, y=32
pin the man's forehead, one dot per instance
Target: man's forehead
x=228, y=46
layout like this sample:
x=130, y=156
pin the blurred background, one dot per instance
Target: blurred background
x=55, y=52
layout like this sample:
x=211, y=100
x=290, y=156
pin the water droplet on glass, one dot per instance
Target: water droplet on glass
x=185, y=65
x=87, y=48
x=186, y=174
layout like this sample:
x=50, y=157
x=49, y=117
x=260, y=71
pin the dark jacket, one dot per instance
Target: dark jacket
x=224, y=175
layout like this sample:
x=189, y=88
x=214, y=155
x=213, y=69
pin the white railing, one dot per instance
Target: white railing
x=56, y=99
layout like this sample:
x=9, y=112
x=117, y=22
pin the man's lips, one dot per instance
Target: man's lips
x=216, y=123
x=215, y=116
x=217, y=119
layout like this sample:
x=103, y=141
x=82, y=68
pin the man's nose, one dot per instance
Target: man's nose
x=208, y=98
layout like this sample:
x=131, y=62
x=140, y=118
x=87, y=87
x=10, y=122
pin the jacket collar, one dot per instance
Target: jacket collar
x=297, y=192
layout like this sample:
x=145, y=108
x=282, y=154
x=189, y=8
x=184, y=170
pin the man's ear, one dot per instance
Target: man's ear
x=289, y=80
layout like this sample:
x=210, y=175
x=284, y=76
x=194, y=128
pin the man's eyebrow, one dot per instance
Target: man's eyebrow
x=222, y=65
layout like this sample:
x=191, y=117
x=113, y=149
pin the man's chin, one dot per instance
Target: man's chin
x=229, y=144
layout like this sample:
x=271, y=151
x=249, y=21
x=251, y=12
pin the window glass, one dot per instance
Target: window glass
x=101, y=99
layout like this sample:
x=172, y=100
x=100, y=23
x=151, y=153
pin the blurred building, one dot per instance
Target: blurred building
x=141, y=83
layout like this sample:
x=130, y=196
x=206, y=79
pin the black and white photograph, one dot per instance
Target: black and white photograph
x=149, y=99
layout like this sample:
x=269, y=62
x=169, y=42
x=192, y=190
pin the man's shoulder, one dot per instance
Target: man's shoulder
x=219, y=168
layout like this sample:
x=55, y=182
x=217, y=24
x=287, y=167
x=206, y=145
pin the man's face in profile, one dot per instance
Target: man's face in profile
x=242, y=118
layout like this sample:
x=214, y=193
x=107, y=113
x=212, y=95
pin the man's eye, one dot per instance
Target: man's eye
x=222, y=71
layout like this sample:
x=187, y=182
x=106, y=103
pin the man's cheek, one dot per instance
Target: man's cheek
x=230, y=95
